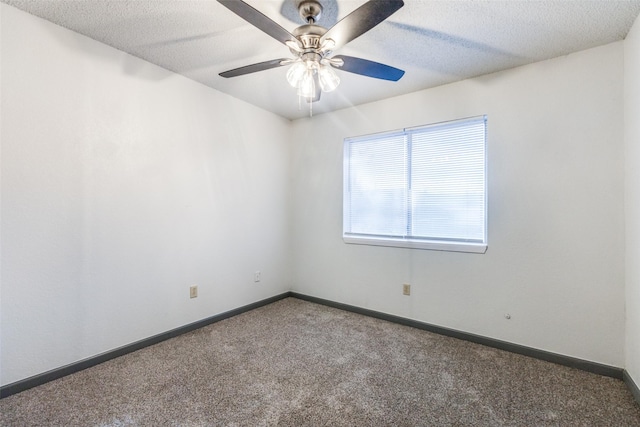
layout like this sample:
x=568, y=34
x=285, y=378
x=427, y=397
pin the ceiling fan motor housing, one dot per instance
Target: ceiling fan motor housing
x=309, y=36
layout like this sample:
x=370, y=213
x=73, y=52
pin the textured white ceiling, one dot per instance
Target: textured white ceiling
x=435, y=42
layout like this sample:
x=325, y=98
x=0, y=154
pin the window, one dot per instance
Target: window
x=422, y=187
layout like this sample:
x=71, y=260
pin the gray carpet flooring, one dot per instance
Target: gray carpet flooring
x=295, y=363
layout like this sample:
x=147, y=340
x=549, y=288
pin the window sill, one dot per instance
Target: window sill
x=478, y=248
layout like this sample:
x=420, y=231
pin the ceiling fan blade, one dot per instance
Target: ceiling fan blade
x=258, y=19
x=253, y=68
x=369, y=68
x=361, y=20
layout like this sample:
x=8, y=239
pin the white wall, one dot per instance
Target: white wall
x=632, y=198
x=123, y=184
x=555, y=260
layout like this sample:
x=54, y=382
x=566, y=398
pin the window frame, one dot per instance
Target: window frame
x=410, y=242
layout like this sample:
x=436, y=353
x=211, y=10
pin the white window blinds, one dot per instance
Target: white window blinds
x=378, y=186
x=422, y=187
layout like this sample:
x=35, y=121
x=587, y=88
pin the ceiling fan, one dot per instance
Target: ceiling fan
x=311, y=45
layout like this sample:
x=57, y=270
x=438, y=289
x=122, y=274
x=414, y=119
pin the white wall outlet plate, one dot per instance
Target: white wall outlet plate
x=406, y=289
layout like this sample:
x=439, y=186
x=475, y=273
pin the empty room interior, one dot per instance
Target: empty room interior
x=147, y=199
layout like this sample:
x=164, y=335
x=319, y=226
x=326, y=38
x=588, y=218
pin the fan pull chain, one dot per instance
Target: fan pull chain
x=300, y=106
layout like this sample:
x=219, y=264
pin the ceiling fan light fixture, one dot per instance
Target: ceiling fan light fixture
x=307, y=85
x=329, y=80
x=302, y=75
x=296, y=73
x=327, y=45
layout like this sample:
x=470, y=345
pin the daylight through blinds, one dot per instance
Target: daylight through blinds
x=425, y=183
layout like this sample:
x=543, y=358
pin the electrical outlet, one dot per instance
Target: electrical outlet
x=256, y=276
x=406, y=289
x=193, y=291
